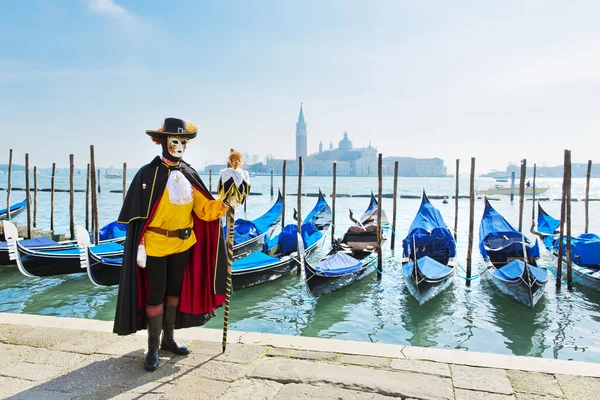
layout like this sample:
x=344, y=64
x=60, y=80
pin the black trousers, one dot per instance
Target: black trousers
x=165, y=276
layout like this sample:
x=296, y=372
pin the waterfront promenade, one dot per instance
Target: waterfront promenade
x=45, y=357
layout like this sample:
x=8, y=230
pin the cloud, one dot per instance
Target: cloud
x=107, y=7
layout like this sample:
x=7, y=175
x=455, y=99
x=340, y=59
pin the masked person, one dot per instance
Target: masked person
x=175, y=262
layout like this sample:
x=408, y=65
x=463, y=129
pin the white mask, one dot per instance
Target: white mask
x=176, y=146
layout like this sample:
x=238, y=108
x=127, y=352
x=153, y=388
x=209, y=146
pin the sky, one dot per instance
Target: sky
x=498, y=81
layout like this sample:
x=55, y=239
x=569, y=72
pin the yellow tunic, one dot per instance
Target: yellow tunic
x=172, y=216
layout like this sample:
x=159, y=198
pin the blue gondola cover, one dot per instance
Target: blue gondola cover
x=113, y=230
x=429, y=268
x=338, y=264
x=33, y=243
x=514, y=270
x=254, y=260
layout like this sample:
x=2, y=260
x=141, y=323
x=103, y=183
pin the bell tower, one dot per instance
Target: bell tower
x=301, y=135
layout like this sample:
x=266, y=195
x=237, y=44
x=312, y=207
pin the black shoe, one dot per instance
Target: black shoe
x=168, y=341
x=154, y=328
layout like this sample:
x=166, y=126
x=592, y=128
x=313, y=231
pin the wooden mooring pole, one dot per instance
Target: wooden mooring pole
x=394, y=204
x=561, y=235
x=99, y=185
x=568, y=221
x=533, y=198
x=87, y=199
x=72, y=196
x=299, y=205
x=471, y=220
x=271, y=182
x=210, y=180
x=94, y=194
x=9, y=184
x=522, y=192
x=379, y=207
x=456, y=202
x=283, y=193
x=35, y=190
x=27, y=189
x=587, y=196
x=124, y=180
x=512, y=186
x=333, y=196
x=52, y=179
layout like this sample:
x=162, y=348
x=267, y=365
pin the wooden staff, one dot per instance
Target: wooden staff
x=27, y=195
x=72, y=196
x=94, y=195
x=52, y=197
x=456, y=202
x=124, y=180
x=522, y=192
x=568, y=210
x=87, y=199
x=299, y=208
x=271, y=182
x=561, y=235
x=333, y=195
x=230, y=226
x=35, y=196
x=283, y=193
x=379, y=206
x=587, y=195
x=394, y=203
x=471, y=220
x=9, y=186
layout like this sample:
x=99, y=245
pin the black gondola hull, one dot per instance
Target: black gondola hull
x=319, y=285
x=102, y=273
x=245, y=279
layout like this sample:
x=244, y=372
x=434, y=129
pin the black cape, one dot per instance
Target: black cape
x=203, y=289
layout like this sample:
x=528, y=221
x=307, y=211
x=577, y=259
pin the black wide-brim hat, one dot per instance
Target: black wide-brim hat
x=175, y=127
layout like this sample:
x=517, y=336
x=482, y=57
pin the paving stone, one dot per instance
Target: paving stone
x=527, y=396
x=482, y=379
x=303, y=354
x=51, y=357
x=294, y=391
x=151, y=386
x=11, y=386
x=211, y=348
x=138, y=396
x=390, y=383
x=32, y=372
x=252, y=389
x=193, y=359
x=40, y=394
x=193, y=387
x=241, y=353
x=44, y=337
x=425, y=367
x=9, y=331
x=221, y=371
x=579, y=387
x=534, y=383
x=129, y=346
x=87, y=342
x=367, y=361
x=462, y=394
x=10, y=352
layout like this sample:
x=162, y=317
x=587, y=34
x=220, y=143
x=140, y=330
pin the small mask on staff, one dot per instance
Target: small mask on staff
x=234, y=182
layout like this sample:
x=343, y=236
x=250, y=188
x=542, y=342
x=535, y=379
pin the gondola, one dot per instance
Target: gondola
x=585, y=250
x=15, y=210
x=352, y=257
x=54, y=260
x=280, y=254
x=249, y=236
x=101, y=270
x=433, y=268
x=510, y=259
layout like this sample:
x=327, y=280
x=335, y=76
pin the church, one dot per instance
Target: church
x=350, y=161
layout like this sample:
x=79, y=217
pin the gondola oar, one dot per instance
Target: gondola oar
x=233, y=187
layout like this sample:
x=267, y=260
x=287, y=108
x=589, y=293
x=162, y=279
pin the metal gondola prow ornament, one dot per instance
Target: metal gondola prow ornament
x=233, y=188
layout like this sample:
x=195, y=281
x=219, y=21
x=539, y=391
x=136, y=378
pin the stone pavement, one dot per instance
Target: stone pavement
x=63, y=358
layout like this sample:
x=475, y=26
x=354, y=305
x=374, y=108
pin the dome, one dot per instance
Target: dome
x=345, y=144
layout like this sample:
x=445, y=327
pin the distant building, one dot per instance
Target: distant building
x=301, y=136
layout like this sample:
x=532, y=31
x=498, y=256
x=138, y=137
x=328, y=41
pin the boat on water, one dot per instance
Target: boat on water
x=249, y=236
x=15, y=210
x=506, y=189
x=429, y=251
x=585, y=250
x=53, y=258
x=281, y=252
x=352, y=257
x=510, y=259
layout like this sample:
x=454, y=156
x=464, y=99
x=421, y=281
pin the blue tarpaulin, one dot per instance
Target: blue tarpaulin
x=33, y=243
x=428, y=267
x=244, y=230
x=14, y=207
x=514, y=270
x=338, y=264
x=546, y=224
x=429, y=229
x=254, y=260
x=498, y=233
x=113, y=230
x=110, y=247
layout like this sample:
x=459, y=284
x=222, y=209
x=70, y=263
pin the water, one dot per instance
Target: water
x=562, y=325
